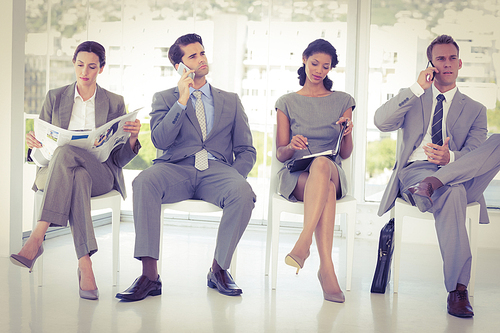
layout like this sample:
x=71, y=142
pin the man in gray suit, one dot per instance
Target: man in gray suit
x=207, y=154
x=439, y=125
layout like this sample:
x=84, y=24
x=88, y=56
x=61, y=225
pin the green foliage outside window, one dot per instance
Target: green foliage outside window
x=380, y=155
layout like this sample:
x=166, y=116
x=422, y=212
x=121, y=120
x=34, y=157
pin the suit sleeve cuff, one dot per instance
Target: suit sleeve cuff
x=183, y=107
x=452, y=157
x=417, y=89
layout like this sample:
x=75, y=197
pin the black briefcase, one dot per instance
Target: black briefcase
x=384, y=258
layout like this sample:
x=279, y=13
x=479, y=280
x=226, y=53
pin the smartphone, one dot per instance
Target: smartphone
x=433, y=73
x=181, y=68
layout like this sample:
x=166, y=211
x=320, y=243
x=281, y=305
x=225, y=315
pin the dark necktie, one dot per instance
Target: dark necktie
x=437, y=122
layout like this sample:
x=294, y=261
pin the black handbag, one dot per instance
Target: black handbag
x=384, y=258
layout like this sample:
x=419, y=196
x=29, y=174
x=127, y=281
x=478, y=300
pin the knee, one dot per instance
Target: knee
x=321, y=165
x=243, y=193
x=64, y=152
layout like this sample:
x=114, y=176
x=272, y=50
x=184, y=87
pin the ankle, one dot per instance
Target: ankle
x=215, y=267
x=435, y=183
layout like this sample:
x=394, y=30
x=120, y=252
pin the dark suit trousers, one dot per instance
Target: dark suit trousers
x=74, y=176
x=166, y=182
x=465, y=181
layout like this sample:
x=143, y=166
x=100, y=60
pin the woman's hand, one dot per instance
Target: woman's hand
x=133, y=127
x=349, y=126
x=298, y=142
x=31, y=141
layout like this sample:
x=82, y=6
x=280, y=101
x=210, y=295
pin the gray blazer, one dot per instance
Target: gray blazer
x=57, y=110
x=178, y=133
x=466, y=125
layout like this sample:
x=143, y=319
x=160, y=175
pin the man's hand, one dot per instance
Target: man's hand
x=436, y=154
x=184, y=83
x=425, y=77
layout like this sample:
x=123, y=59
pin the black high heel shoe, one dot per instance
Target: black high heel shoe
x=18, y=260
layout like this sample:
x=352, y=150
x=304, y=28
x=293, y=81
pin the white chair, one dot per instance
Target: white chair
x=278, y=205
x=403, y=209
x=191, y=206
x=111, y=200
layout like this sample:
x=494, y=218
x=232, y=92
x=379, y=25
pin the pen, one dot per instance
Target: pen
x=307, y=145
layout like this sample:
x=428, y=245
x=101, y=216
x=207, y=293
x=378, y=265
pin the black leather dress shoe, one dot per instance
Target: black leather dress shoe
x=140, y=289
x=421, y=194
x=224, y=282
x=458, y=304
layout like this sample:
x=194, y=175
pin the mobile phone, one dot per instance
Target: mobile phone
x=432, y=65
x=181, y=68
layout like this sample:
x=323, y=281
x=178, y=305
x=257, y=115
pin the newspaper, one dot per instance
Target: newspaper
x=99, y=142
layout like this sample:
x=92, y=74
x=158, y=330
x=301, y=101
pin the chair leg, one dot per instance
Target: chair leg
x=269, y=241
x=351, y=225
x=115, y=230
x=161, y=241
x=233, y=263
x=398, y=233
x=472, y=220
x=274, y=246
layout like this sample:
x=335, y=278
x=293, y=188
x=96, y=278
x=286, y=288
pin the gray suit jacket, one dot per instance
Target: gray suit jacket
x=57, y=110
x=178, y=133
x=465, y=125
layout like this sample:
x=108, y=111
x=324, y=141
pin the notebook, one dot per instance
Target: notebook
x=303, y=162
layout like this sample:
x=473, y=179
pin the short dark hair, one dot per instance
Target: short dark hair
x=319, y=46
x=175, y=53
x=443, y=39
x=92, y=47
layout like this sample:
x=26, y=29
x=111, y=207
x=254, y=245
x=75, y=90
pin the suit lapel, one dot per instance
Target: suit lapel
x=101, y=107
x=427, y=100
x=456, y=108
x=218, y=107
x=65, y=107
x=190, y=112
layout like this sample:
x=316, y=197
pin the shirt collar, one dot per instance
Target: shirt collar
x=205, y=89
x=447, y=95
x=91, y=99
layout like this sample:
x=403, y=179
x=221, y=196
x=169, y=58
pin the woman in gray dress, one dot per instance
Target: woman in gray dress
x=309, y=121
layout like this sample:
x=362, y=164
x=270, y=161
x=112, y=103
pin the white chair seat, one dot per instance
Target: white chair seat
x=403, y=209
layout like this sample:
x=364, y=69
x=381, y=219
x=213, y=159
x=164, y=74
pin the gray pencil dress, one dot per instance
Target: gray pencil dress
x=314, y=118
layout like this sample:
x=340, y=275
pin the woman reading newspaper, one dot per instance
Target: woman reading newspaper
x=74, y=175
x=309, y=121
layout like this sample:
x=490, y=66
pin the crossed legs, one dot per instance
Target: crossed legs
x=318, y=189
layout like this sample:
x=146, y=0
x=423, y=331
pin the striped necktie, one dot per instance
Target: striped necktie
x=437, y=122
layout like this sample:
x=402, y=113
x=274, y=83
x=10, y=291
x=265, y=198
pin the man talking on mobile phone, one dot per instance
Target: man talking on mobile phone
x=440, y=131
x=207, y=148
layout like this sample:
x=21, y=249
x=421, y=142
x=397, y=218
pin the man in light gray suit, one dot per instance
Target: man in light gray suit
x=207, y=154
x=439, y=125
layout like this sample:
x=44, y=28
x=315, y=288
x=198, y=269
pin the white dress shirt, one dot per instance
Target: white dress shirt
x=419, y=154
x=83, y=114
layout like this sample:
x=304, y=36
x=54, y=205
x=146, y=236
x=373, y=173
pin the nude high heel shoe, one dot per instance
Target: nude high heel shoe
x=334, y=297
x=296, y=261
x=18, y=260
x=86, y=294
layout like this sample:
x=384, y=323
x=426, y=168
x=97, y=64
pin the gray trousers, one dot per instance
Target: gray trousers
x=73, y=177
x=165, y=182
x=464, y=182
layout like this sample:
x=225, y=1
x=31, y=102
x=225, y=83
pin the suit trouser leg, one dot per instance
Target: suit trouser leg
x=223, y=186
x=480, y=165
x=74, y=176
x=449, y=205
x=160, y=183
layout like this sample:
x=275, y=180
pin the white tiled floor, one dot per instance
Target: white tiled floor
x=187, y=305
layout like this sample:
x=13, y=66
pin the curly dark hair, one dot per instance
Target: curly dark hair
x=318, y=46
x=175, y=52
x=92, y=47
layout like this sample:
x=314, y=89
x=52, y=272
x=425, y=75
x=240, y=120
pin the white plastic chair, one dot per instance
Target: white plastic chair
x=191, y=206
x=278, y=205
x=403, y=209
x=111, y=200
